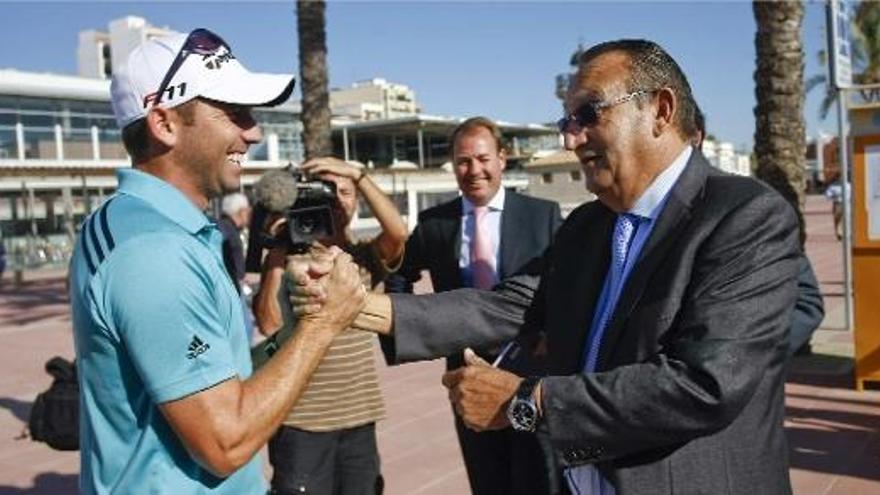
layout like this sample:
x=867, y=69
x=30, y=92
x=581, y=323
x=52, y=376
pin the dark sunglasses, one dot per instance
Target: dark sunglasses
x=587, y=115
x=200, y=42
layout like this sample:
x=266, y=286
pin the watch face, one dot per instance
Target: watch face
x=523, y=415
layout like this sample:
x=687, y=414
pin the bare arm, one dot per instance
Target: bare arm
x=390, y=242
x=224, y=426
x=267, y=311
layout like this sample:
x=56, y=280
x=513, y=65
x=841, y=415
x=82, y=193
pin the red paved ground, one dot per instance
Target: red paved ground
x=833, y=430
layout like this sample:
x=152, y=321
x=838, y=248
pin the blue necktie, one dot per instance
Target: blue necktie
x=586, y=479
x=624, y=228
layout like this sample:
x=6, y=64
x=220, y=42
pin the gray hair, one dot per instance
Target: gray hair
x=233, y=203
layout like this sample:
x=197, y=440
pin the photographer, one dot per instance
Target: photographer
x=335, y=419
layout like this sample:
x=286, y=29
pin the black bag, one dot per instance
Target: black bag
x=54, y=417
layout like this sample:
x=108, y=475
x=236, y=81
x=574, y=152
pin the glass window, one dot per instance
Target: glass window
x=8, y=119
x=8, y=146
x=9, y=102
x=77, y=144
x=39, y=144
x=110, y=145
x=399, y=200
x=259, y=151
x=77, y=123
x=105, y=123
x=41, y=104
x=575, y=175
x=45, y=120
x=547, y=178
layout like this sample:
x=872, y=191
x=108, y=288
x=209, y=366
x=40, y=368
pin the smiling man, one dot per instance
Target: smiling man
x=169, y=403
x=665, y=303
x=475, y=241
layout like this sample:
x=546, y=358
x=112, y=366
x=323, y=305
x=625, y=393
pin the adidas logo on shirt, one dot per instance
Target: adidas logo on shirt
x=196, y=347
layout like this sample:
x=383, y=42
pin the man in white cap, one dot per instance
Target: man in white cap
x=169, y=401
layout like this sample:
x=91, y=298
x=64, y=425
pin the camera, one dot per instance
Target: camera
x=311, y=216
x=307, y=204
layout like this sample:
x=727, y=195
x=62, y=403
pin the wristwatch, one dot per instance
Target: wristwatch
x=522, y=411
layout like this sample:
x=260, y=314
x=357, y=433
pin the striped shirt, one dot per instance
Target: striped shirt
x=344, y=390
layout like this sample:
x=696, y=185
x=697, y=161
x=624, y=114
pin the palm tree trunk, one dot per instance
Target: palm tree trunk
x=780, y=138
x=313, y=77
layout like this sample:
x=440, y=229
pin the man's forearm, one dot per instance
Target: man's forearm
x=224, y=426
x=274, y=389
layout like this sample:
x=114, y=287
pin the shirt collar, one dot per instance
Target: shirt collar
x=163, y=197
x=651, y=201
x=495, y=204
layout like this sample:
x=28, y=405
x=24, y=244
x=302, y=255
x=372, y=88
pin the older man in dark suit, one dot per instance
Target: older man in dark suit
x=666, y=304
x=476, y=240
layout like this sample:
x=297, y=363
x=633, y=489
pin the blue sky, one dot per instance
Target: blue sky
x=462, y=58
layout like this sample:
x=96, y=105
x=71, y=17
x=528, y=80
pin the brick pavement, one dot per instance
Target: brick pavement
x=833, y=430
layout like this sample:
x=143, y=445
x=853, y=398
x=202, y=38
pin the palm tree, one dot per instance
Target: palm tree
x=779, y=87
x=313, y=77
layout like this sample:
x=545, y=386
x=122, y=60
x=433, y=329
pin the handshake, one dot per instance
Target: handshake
x=329, y=290
x=479, y=392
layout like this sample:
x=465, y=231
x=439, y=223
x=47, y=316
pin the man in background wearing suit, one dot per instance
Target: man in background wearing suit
x=666, y=304
x=474, y=241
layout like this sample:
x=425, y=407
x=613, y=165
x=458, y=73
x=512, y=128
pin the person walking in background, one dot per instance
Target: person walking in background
x=474, y=241
x=834, y=192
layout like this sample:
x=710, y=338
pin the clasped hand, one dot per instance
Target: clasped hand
x=333, y=285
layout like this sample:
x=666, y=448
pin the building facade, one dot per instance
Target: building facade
x=374, y=99
x=60, y=147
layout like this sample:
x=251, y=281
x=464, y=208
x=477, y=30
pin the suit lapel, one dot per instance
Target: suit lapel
x=671, y=222
x=511, y=230
x=451, y=236
x=580, y=276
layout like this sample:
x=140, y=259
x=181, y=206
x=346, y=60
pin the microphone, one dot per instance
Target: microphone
x=275, y=192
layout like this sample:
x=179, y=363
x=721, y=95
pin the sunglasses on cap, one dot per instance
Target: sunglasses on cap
x=199, y=42
x=587, y=115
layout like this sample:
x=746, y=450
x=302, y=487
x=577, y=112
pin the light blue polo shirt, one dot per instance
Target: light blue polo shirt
x=156, y=318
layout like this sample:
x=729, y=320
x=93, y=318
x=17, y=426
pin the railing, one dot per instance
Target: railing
x=30, y=253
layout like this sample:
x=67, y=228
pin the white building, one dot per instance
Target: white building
x=723, y=155
x=99, y=52
x=374, y=99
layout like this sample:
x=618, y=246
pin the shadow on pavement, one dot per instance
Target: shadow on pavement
x=844, y=449
x=830, y=434
x=19, y=408
x=46, y=484
x=822, y=370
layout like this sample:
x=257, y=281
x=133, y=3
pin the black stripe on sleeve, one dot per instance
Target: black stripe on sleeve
x=105, y=226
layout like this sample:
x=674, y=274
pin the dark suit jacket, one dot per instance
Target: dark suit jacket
x=527, y=228
x=688, y=395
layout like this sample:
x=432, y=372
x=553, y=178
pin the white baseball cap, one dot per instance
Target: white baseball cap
x=214, y=74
